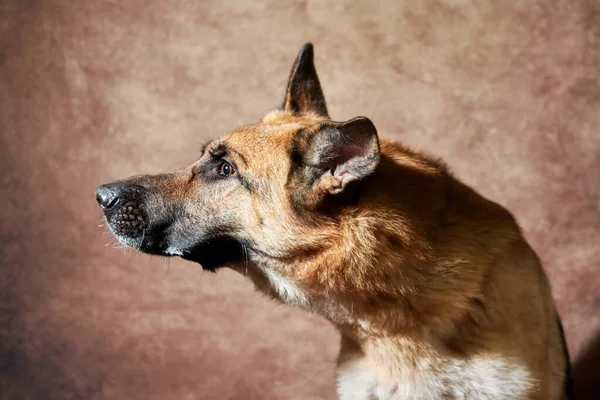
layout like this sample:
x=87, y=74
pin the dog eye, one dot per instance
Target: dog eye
x=226, y=169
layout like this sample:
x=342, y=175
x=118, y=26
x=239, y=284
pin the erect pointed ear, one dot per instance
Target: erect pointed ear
x=343, y=152
x=304, y=92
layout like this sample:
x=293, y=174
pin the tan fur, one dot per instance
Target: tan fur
x=433, y=288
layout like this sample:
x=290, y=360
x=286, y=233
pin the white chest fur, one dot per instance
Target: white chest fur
x=482, y=379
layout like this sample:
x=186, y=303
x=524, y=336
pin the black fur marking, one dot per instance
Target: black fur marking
x=244, y=182
x=296, y=155
x=215, y=253
x=304, y=92
x=219, y=151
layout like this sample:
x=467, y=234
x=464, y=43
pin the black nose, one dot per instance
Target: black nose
x=107, y=196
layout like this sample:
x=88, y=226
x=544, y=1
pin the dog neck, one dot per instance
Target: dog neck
x=401, y=263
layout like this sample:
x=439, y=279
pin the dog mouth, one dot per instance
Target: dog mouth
x=136, y=221
x=131, y=228
x=215, y=253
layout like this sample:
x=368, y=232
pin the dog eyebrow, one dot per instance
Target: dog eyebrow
x=221, y=150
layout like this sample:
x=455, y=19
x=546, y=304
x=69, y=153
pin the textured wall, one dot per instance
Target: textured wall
x=92, y=91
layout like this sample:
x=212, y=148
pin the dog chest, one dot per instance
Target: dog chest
x=485, y=379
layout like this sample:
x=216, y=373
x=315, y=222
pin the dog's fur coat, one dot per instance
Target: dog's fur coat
x=435, y=291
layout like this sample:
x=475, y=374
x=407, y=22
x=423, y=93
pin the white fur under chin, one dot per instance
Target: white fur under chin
x=173, y=252
x=482, y=379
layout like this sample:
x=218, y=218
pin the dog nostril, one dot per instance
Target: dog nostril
x=106, y=198
x=111, y=203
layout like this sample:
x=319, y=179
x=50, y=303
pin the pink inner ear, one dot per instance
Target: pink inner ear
x=337, y=155
x=352, y=150
x=345, y=158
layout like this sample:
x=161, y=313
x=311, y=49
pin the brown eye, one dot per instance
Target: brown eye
x=226, y=169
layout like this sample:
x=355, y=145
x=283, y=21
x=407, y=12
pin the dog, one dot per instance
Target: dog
x=434, y=290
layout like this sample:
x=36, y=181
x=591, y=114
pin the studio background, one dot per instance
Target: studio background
x=91, y=91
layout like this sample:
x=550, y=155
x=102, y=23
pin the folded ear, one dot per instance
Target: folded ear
x=343, y=152
x=304, y=92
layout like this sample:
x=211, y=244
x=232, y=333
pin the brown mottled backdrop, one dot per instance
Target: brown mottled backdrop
x=96, y=90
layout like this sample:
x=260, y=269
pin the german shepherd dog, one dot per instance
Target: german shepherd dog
x=433, y=288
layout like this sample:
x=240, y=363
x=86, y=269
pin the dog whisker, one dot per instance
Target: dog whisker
x=142, y=240
x=168, y=267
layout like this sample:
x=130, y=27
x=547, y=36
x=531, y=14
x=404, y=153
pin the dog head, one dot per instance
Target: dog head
x=261, y=190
